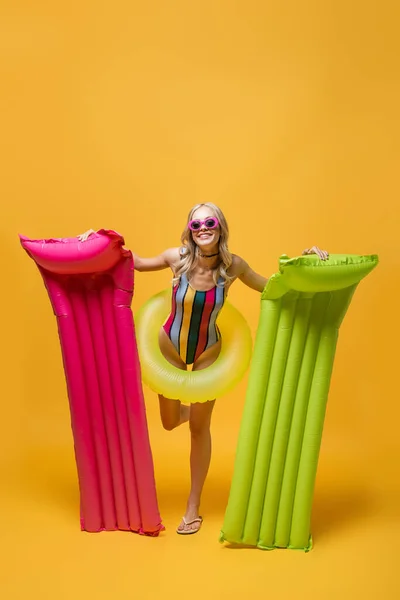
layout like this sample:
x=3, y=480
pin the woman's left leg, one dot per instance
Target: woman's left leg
x=200, y=454
x=200, y=458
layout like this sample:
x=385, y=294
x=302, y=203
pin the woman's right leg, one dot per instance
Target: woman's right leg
x=172, y=412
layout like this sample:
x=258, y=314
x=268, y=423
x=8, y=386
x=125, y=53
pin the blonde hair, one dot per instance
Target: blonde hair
x=189, y=256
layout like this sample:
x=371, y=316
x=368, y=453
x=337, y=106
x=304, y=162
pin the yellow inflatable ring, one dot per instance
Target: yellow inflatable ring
x=191, y=386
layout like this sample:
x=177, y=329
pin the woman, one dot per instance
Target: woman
x=203, y=270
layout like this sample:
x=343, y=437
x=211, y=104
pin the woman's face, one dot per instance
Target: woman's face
x=205, y=238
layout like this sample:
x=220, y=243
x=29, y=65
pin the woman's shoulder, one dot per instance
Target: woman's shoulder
x=176, y=251
x=172, y=255
x=237, y=266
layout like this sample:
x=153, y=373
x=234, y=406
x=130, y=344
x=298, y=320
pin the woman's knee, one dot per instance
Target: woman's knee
x=170, y=412
x=199, y=429
x=169, y=424
x=200, y=418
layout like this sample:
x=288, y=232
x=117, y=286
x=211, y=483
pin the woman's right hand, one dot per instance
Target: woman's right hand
x=84, y=236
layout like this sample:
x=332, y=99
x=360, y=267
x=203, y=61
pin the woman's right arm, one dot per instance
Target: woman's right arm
x=169, y=258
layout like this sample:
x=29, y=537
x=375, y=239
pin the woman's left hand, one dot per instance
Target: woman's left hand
x=323, y=254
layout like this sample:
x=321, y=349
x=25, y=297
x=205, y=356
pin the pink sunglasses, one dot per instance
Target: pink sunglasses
x=210, y=223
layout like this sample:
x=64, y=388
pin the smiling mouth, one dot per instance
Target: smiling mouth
x=204, y=235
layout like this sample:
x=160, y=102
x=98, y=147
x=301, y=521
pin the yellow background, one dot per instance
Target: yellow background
x=124, y=114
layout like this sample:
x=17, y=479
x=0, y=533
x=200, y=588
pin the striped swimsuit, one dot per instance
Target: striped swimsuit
x=191, y=326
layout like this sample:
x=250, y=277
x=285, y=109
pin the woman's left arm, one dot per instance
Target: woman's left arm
x=252, y=279
x=257, y=282
x=241, y=270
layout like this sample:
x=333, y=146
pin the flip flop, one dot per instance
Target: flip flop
x=190, y=531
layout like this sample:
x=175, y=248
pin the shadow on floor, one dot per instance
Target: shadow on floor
x=334, y=508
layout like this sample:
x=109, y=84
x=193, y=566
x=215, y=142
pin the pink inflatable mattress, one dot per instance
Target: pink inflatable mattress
x=90, y=285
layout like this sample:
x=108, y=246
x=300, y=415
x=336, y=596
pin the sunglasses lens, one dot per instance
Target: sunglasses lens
x=211, y=223
x=195, y=225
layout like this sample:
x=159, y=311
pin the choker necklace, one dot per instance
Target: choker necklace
x=208, y=255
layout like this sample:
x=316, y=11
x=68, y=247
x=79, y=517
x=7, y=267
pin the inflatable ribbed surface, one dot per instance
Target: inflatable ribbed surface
x=277, y=454
x=96, y=330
